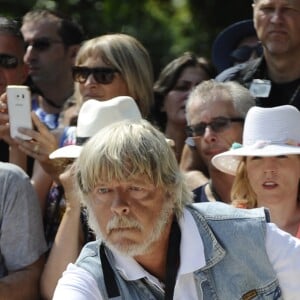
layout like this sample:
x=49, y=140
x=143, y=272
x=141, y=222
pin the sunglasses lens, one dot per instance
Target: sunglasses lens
x=104, y=76
x=219, y=124
x=41, y=45
x=101, y=75
x=8, y=61
x=242, y=54
x=80, y=74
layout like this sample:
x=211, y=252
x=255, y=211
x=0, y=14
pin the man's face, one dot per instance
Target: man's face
x=10, y=45
x=213, y=142
x=130, y=217
x=277, y=23
x=46, y=55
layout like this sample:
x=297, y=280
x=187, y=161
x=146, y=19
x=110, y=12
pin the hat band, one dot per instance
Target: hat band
x=262, y=143
x=81, y=140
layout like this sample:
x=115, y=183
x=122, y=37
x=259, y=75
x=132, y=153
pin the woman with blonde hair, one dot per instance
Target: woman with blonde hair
x=267, y=165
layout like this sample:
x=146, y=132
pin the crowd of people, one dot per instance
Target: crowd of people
x=138, y=187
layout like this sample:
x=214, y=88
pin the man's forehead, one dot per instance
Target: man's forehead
x=40, y=29
x=283, y=2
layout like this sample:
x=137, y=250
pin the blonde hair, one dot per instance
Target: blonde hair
x=125, y=151
x=242, y=194
x=129, y=56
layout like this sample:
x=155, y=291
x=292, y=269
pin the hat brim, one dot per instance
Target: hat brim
x=228, y=161
x=71, y=151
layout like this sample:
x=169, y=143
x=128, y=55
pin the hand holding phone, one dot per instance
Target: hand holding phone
x=19, y=109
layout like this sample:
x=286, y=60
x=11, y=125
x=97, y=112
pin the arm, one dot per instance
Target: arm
x=284, y=254
x=193, y=166
x=68, y=240
x=22, y=284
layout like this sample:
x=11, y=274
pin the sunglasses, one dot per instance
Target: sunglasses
x=243, y=53
x=101, y=75
x=42, y=44
x=8, y=61
x=217, y=125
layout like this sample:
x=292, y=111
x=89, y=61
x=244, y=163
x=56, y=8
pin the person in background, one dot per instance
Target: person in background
x=171, y=90
x=52, y=42
x=154, y=244
x=267, y=165
x=274, y=78
x=22, y=242
x=12, y=71
x=215, y=113
x=236, y=44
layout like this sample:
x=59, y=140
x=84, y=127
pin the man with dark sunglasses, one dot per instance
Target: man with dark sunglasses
x=12, y=70
x=215, y=114
x=51, y=41
x=274, y=78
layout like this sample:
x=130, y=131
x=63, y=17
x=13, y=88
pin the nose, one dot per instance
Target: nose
x=90, y=80
x=276, y=16
x=209, y=135
x=270, y=169
x=119, y=204
x=29, y=54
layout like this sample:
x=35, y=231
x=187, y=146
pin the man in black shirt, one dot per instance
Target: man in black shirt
x=274, y=79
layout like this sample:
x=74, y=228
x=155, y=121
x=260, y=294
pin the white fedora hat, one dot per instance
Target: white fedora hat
x=267, y=132
x=95, y=115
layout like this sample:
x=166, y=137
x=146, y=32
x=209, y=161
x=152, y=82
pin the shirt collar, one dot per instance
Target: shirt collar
x=191, y=253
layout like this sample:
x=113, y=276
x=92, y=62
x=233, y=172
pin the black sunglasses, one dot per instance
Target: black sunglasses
x=216, y=125
x=42, y=44
x=8, y=61
x=243, y=53
x=101, y=75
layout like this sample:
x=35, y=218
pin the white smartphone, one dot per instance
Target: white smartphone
x=19, y=109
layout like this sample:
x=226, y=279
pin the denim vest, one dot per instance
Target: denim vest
x=237, y=265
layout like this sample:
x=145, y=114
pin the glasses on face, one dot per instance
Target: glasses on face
x=8, y=61
x=244, y=53
x=42, y=44
x=217, y=125
x=101, y=75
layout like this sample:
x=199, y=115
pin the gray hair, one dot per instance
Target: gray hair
x=127, y=150
x=204, y=92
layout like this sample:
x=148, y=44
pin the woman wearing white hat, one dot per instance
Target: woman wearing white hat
x=267, y=165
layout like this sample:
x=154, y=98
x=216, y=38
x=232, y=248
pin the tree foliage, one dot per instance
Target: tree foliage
x=167, y=28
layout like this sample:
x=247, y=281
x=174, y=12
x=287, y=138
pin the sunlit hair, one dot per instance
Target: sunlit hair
x=124, y=152
x=205, y=92
x=168, y=78
x=130, y=58
x=242, y=194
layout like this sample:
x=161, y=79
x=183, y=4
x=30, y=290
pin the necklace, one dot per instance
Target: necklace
x=295, y=94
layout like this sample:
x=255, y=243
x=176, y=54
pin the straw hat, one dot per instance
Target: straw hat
x=267, y=132
x=95, y=115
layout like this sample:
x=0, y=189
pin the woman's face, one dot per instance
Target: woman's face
x=273, y=178
x=91, y=89
x=175, y=100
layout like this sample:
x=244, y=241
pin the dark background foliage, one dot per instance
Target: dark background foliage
x=167, y=28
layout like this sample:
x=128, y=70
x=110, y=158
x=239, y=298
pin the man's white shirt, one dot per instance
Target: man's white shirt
x=283, y=251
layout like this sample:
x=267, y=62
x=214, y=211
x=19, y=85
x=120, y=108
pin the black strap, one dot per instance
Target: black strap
x=172, y=265
x=109, y=276
x=173, y=259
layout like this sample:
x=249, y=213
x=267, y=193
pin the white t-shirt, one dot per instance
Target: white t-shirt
x=283, y=251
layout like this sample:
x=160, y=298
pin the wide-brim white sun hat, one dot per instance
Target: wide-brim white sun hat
x=95, y=115
x=267, y=132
